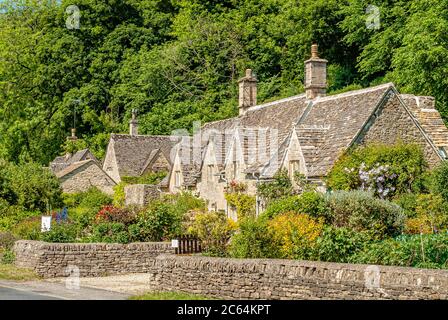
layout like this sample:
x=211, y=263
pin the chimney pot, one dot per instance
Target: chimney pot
x=247, y=92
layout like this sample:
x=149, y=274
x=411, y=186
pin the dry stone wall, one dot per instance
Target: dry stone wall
x=234, y=278
x=288, y=279
x=92, y=259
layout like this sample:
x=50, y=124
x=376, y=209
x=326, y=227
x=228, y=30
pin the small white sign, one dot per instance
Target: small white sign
x=175, y=243
x=46, y=224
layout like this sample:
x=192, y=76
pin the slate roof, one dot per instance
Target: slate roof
x=325, y=126
x=133, y=151
x=62, y=162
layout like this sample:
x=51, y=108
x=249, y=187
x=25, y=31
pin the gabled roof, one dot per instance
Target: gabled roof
x=279, y=116
x=72, y=167
x=133, y=151
x=62, y=162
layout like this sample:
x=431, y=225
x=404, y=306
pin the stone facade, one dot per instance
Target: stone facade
x=289, y=279
x=393, y=123
x=140, y=194
x=81, y=176
x=93, y=259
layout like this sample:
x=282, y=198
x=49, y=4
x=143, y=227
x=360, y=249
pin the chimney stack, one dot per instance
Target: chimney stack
x=315, y=75
x=73, y=137
x=133, y=124
x=247, y=92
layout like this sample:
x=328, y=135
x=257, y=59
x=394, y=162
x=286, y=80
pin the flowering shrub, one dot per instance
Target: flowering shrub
x=215, y=230
x=378, y=179
x=383, y=169
x=295, y=233
x=235, y=186
x=244, y=204
x=110, y=213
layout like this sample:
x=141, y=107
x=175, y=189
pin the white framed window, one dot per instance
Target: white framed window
x=177, y=179
x=210, y=173
x=294, y=166
x=234, y=170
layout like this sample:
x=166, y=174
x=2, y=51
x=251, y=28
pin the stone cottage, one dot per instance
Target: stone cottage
x=305, y=133
x=80, y=176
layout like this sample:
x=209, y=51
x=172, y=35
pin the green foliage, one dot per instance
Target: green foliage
x=61, y=233
x=111, y=232
x=339, y=244
x=361, y=211
x=281, y=186
x=7, y=257
x=440, y=180
x=83, y=206
x=214, y=230
x=28, y=186
x=160, y=221
x=310, y=202
x=7, y=240
x=405, y=161
x=28, y=229
x=253, y=240
x=411, y=251
x=244, y=204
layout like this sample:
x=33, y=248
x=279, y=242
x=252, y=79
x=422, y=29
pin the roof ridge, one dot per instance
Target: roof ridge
x=353, y=92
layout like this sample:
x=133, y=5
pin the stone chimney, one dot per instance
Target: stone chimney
x=247, y=92
x=315, y=75
x=133, y=124
x=73, y=137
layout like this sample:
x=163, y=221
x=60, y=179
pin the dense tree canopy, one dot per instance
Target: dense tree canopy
x=178, y=61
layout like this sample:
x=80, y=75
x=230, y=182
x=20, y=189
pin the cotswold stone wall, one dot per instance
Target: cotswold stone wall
x=287, y=279
x=140, y=194
x=92, y=259
x=233, y=278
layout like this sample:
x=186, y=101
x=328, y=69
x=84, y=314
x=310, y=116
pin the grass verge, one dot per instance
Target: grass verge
x=11, y=272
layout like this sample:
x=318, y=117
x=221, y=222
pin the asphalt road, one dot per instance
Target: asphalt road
x=14, y=294
x=45, y=290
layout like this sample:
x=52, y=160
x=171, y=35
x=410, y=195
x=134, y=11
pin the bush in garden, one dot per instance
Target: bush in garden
x=408, y=202
x=361, y=211
x=431, y=215
x=28, y=229
x=384, y=169
x=110, y=213
x=253, y=240
x=244, y=204
x=421, y=251
x=310, y=202
x=184, y=201
x=439, y=179
x=160, y=221
x=84, y=206
x=214, y=230
x=281, y=186
x=338, y=244
x=7, y=240
x=295, y=233
x=111, y=232
x=61, y=233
